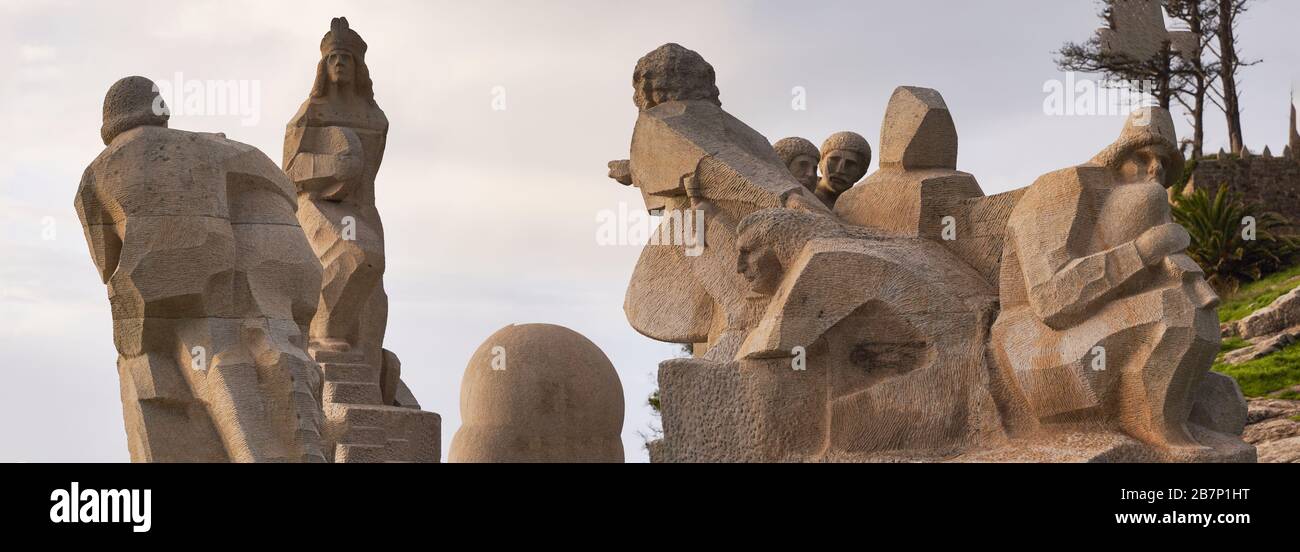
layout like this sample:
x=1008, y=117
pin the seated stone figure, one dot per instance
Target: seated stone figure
x=684, y=138
x=802, y=158
x=1105, y=323
x=212, y=286
x=844, y=161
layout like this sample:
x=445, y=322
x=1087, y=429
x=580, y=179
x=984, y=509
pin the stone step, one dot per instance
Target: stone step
x=344, y=392
x=353, y=372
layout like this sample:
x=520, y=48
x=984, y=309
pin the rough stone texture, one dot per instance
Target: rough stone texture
x=333, y=148
x=1273, y=183
x=683, y=138
x=844, y=161
x=1093, y=259
x=801, y=157
x=1275, y=430
x=872, y=337
x=1219, y=405
x=1282, y=313
x=539, y=393
x=918, y=187
x=212, y=285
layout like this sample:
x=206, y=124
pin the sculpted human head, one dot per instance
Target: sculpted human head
x=769, y=241
x=801, y=157
x=1146, y=150
x=343, y=63
x=132, y=102
x=845, y=158
x=673, y=73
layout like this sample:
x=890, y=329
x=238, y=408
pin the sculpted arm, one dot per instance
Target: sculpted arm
x=99, y=226
x=1062, y=286
x=326, y=175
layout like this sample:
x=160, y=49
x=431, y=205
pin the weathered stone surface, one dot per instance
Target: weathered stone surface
x=333, y=148
x=539, y=393
x=1261, y=347
x=1093, y=260
x=683, y=293
x=871, y=335
x=211, y=284
x=1282, y=313
x=801, y=157
x=1219, y=405
x=845, y=157
x=1274, y=429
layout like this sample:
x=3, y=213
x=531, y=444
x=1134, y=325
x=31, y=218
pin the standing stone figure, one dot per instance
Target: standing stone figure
x=845, y=158
x=1104, y=319
x=332, y=150
x=212, y=286
x=801, y=157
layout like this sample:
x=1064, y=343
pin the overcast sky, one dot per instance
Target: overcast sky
x=491, y=215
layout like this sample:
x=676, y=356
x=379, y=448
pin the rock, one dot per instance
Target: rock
x=1262, y=347
x=1219, y=404
x=1272, y=429
x=1285, y=451
x=1282, y=313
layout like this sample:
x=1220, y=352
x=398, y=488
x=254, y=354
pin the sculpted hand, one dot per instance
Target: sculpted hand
x=1157, y=243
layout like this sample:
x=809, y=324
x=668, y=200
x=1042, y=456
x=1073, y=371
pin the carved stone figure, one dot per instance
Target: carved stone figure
x=212, y=285
x=929, y=322
x=539, y=393
x=801, y=157
x=845, y=158
x=1105, y=322
x=684, y=139
x=333, y=148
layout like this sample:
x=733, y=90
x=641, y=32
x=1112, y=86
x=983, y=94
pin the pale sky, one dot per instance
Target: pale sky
x=491, y=215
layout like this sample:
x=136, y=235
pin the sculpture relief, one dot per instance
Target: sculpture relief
x=802, y=158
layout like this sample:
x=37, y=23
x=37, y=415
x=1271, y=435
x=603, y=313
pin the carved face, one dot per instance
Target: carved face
x=1143, y=165
x=842, y=169
x=758, y=263
x=804, y=169
x=341, y=67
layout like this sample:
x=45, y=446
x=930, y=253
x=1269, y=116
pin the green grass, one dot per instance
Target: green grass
x=1258, y=294
x=1262, y=376
x=1232, y=343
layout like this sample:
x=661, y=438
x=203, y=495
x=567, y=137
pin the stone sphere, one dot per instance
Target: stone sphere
x=539, y=393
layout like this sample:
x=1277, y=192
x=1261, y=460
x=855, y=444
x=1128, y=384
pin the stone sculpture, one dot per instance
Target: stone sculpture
x=333, y=148
x=923, y=320
x=1104, y=319
x=845, y=158
x=539, y=393
x=802, y=158
x=212, y=285
x=683, y=139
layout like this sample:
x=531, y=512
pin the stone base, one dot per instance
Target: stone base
x=373, y=433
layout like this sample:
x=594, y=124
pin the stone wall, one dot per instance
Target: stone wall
x=1273, y=182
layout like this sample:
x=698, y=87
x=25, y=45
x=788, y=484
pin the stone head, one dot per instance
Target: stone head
x=132, y=102
x=343, y=62
x=801, y=157
x=673, y=73
x=769, y=242
x=1146, y=150
x=844, y=161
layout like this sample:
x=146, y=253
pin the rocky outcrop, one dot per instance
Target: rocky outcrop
x=1274, y=428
